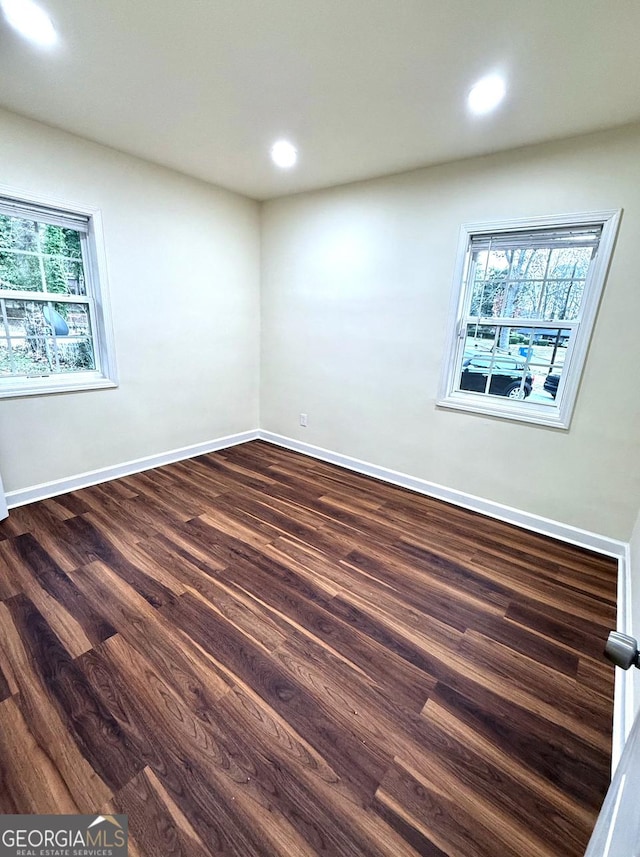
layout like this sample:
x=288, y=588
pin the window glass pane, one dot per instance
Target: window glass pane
x=75, y=278
x=30, y=336
x=569, y=263
x=27, y=247
x=562, y=300
x=19, y=271
x=25, y=358
x=47, y=338
x=489, y=276
x=64, y=276
x=6, y=362
x=528, y=263
x=18, y=234
x=514, y=362
x=59, y=241
x=16, y=358
x=520, y=300
x=63, y=260
x=72, y=243
x=75, y=349
x=536, y=283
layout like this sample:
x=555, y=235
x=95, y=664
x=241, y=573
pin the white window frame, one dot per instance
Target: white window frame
x=97, y=299
x=559, y=413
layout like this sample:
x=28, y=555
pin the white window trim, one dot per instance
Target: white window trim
x=558, y=416
x=104, y=344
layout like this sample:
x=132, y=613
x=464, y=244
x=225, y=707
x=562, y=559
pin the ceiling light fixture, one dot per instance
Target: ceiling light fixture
x=486, y=94
x=30, y=20
x=284, y=154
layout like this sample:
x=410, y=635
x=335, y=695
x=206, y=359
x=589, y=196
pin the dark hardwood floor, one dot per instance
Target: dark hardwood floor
x=255, y=653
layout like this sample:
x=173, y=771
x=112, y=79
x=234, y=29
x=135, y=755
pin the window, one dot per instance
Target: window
x=54, y=330
x=524, y=305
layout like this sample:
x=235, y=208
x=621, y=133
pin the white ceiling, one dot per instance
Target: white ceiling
x=362, y=87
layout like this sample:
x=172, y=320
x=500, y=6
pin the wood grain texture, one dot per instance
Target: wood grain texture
x=257, y=654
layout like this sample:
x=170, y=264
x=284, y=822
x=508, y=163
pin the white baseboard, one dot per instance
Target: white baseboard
x=526, y=520
x=104, y=474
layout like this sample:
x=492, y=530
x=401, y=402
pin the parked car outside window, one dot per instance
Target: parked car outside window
x=551, y=384
x=504, y=375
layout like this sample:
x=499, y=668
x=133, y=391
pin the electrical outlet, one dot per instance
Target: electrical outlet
x=303, y=420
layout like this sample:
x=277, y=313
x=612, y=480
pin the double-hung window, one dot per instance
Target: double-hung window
x=525, y=299
x=54, y=328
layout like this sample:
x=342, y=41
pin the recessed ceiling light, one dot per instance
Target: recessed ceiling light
x=486, y=94
x=30, y=20
x=284, y=154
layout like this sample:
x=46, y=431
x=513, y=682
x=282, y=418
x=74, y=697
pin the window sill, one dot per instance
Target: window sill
x=542, y=415
x=15, y=388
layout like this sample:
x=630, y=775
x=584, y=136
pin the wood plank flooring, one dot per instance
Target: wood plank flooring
x=253, y=653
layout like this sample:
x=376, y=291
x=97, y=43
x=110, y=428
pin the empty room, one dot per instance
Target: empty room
x=319, y=428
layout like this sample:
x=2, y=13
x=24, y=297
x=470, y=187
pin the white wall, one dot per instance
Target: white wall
x=355, y=293
x=183, y=260
x=356, y=283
